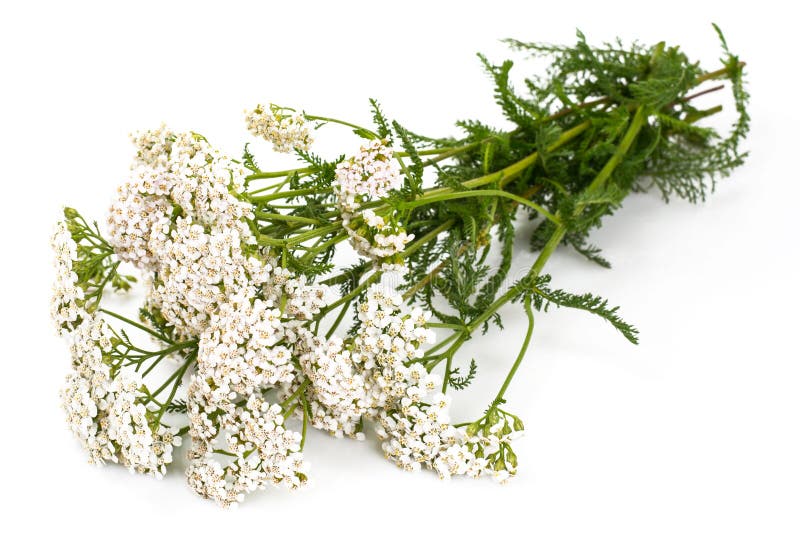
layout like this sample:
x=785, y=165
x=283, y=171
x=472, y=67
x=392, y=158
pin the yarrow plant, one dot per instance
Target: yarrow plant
x=242, y=343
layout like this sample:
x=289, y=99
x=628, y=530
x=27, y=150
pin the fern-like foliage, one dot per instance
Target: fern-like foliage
x=95, y=264
x=596, y=89
x=177, y=406
x=380, y=120
x=248, y=160
x=543, y=296
x=459, y=382
x=153, y=318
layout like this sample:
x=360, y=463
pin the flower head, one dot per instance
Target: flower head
x=284, y=128
x=65, y=304
x=106, y=409
x=382, y=239
x=369, y=175
x=259, y=450
x=336, y=391
x=174, y=172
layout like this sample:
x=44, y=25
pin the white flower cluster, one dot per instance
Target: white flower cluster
x=370, y=175
x=199, y=269
x=415, y=432
x=419, y=432
x=303, y=300
x=336, y=392
x=492, y=446
x=414, y=419
x=246, y=350
x=261, y=451
x=64, y=304
x=386, y=340
x=285, y=129
x=377, y=238
x=181, y=218
x=174, y=174
x=357, y=379
x=371, y=377
x=105, y=408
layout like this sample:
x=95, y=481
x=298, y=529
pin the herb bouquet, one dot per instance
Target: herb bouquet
x=243, y=341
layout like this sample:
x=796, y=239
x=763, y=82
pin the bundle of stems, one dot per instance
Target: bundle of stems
x=604, y=122
x=600, y=123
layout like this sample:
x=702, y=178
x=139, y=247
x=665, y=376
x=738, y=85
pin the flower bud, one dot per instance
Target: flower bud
x=499, y=465
x=493, y=418
x=71, y=213
x=512, y=458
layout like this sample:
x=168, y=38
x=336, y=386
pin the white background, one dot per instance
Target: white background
x=695, y=430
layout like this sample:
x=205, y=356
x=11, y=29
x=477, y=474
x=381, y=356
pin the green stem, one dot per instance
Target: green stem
x=451, y=326
x=336, y=279
x=317, y=232
x=429, y=354
x=639, y=118
x=305, y=236
x=343, y=123
x=350, y=296
x=137, y=325
x=299, y=391
x=152, y=365
x=171, y=349
x=289, y=194
x=449, y=353
x=725, y=71
x=442, y=343
x=481, y=193
x=175, y=376
x=313, y=251
x=416, y=245
x=178, y=379
x=338, y=320
x=306, y=417
x=447, y=371
x=444, y=153
x=443, y=150
x=503, y=176
x=522, y=351
x=281, y=217
x=277, y=174
x=97, y=293
x=276, y=187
